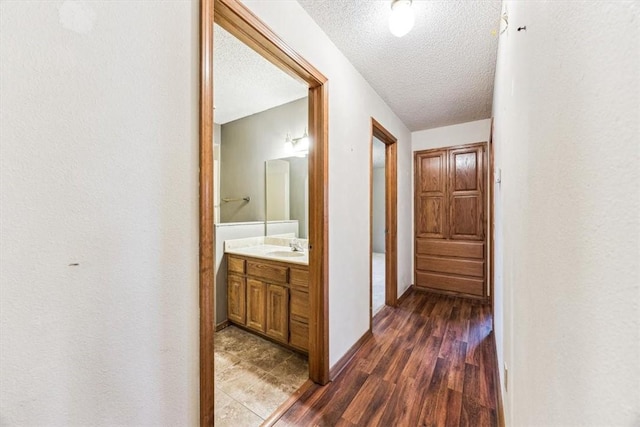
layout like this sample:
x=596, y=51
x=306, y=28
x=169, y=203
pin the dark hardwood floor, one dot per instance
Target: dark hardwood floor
x=430, y=362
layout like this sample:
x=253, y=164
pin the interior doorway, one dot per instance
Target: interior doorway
x=238, y=20
x=383, y=255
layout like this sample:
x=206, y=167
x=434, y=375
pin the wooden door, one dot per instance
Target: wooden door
x=466, y=193
x=256, y=305
x=278, y=313
x=450, y=207
x=236, y=298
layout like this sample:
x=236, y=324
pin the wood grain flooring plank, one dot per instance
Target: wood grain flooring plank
x=454, y=408
x=430, y=362
x=434, y=406
x=369, y=404
x=427, y=362
x=329, y=408
x=404, y=406
x=474, y=414
x=455, y=376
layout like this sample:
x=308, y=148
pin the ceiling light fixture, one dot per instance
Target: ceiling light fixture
x=401, y=19
x=297, y=145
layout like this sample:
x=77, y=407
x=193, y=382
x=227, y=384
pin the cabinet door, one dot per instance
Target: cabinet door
x=256, y=305
x=236, y=299
x=431, y=194
x=278, y=312
x=299, y=305
x=466, y=183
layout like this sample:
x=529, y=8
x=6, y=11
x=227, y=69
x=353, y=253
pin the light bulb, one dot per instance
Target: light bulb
x=401, y=19
x=303, y=144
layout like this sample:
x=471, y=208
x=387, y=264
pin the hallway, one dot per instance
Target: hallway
x=431, y=361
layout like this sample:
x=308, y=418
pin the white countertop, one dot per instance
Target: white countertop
x=272, y=252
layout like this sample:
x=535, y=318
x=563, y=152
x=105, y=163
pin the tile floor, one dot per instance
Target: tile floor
x=253, y=377
x=377, y=274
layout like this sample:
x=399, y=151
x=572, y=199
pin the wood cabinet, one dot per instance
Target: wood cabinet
x=450, y=220
x=270, y=298
x=256, y=308
x=278, y=312
x=236, y=299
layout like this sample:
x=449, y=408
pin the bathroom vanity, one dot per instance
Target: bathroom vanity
x=268, y=292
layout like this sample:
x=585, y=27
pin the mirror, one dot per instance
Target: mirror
x=287, y=192
x=260, y=114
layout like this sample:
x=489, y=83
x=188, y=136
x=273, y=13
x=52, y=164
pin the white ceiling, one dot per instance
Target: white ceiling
x=245, y=83
x=439, y=74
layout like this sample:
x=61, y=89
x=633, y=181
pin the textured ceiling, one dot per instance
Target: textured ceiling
x=245, y=83
x=439, y=74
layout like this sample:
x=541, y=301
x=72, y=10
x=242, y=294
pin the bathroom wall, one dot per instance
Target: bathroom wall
x=99, y=310
x=378, y=206
x=299, y=193
x=567, y=108
x=246, y=144
x=352, y=103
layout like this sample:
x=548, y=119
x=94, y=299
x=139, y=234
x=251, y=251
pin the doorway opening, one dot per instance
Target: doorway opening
x=241, y=23
x=383, y=201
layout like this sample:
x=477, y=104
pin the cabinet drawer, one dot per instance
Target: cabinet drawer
x=266, y=271
x=235, y=265
x=299, y=335
x=299, y=306
x=299, y=278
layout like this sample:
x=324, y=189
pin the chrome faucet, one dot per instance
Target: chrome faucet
x=296, y=246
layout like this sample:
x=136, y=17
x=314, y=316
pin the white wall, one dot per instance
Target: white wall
x=567, y=116
x=448, y=136
x=99, y=167
x=352, y=102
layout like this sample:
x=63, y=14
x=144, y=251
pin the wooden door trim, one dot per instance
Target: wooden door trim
x=391, y=215
x=206, y=212
x=234, y=17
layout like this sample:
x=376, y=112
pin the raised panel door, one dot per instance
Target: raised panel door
x=431, y=186
x=466, y=193
x=256, y=305
x=236, y=303
x=278, y=312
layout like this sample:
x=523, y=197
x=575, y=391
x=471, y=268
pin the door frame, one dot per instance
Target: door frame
x=390, y=213
x=238, y=20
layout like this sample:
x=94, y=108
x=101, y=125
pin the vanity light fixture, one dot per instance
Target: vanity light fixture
x=401, y=19
x=297, y=145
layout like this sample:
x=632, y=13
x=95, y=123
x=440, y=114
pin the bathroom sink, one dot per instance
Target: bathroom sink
x=287, y=254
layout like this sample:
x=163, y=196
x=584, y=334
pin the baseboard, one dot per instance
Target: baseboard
x=284, y=407
x=498, y=384
x=344, y=360
x=406, y=293
x=220, y=326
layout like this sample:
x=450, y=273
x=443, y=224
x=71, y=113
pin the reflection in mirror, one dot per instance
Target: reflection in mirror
x=260, y=114
x=287, y=187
